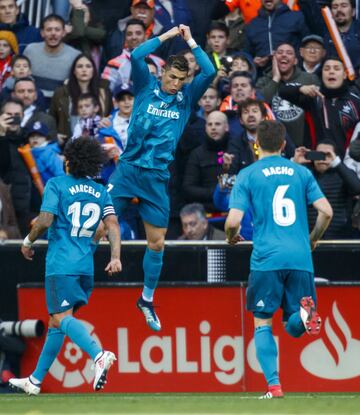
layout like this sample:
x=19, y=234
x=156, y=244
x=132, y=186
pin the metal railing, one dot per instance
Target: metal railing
x=35, y=10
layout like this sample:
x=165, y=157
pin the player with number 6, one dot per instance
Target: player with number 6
x=278, y=191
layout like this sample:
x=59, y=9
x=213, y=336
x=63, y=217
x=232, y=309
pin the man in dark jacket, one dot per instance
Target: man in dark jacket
x=16, y=172
x=206, y=162
x=274, y=25
x=195, y=225
x=338, y=183
x=11, y=19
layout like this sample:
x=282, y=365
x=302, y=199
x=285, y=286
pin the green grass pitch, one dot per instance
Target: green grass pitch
x=211, y=403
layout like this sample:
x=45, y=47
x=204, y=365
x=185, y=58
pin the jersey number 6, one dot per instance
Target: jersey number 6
x=284, y=213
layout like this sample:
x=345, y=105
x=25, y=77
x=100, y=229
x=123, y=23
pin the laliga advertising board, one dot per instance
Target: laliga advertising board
x=206, y=344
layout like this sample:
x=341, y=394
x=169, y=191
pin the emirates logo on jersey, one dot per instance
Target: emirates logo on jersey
x=337, y=357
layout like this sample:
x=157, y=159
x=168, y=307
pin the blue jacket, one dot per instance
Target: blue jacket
x=48, y=161
x=351, y=40
x=267, y=31
x=24, y=32
x=221, y=199
x=158, y=118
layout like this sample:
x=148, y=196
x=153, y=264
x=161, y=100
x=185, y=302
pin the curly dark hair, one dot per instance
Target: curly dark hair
x=85, y=157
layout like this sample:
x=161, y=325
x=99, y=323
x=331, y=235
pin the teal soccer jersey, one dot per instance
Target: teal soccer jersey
x=78, y=205
x=278, y=192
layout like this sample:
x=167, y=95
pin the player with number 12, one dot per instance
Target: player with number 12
x=72, y=209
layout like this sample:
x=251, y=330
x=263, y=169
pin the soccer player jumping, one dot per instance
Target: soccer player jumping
x=72, y=209
x=281, y=270
x=161, y=111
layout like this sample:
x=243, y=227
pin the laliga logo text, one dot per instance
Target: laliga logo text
x=212, y=355
x=341, y=362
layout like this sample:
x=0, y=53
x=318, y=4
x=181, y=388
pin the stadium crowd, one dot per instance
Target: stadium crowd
x=274, y=60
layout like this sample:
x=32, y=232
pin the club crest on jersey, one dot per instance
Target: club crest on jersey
x=179, y=96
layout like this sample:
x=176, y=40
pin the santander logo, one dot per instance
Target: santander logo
x=336, y=358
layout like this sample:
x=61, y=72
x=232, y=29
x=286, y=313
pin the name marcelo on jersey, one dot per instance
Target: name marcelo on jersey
x=174, y=115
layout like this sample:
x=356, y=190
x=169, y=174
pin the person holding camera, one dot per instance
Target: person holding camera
x=12, y=167
x=338, y=183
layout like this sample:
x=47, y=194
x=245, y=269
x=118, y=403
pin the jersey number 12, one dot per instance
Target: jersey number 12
x=92, y=210
x=284, y=213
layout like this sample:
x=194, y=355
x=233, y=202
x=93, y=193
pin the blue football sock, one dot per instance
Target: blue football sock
x=295, y=326
x=152, y=265
x=266, y=353
x=52, y=346
x=77, y=332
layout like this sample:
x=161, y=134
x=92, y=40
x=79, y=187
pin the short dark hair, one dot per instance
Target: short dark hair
x=133, y=22
x=193, y=208
x=25, y=79
x=352, y=3
x=328, y=142
x=219, y=26
x=333, y=58
x=16, y=58
x=51, y=17
x=271, y=135
x=178, y=62
x=244, y=74
x=11, y=100
x=85, y=157
x=252, y=101
x=88, y=95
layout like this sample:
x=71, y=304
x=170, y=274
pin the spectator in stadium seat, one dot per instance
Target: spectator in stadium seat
x=86, y=34
x=332, y=111
x=195, y=225
x=144, y=10
x=13, y=168
x=193, y=66
x=118, y=69
x=339, y=185
x=312, y=54
x=218, y=41
x=21, y=68
x=343, y=12
x=209, y=102
x=206, y=162
x=241, y=88
x=275, y=24
x=251, y=113
x=8, y=48
x=25, y=91
x=51, y=59
x=285, y=69
x=83, y=78
x=8, y=224
x=11, y=19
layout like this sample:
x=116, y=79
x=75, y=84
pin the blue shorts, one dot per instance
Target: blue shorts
x=64, y=292
x=150, y=186
x=269, y=290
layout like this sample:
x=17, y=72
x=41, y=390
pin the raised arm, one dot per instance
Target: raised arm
x=139, y=69
x=201, y=81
